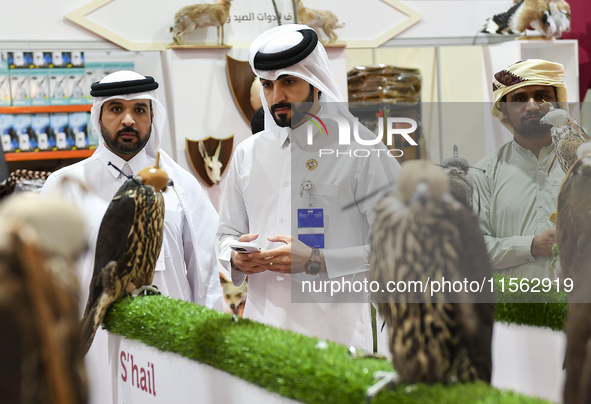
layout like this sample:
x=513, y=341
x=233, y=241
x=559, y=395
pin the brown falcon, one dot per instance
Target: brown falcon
x=573, y=232
x=567, y=136
x=422, y=233
x=40, y=243
x=128, y=245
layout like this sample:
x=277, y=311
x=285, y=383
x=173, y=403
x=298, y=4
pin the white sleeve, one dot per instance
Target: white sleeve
x=204, y=238
x=233, y=220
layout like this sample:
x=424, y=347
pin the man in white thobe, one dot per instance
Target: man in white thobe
x=127, y=113
x=279, y=174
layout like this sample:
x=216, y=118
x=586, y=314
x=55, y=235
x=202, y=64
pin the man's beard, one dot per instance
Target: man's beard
x=116, y=144
x=532, y=128
x=297, y=114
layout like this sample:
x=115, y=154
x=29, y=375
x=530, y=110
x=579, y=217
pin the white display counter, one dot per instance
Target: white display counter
x=527, y=360
x=146, y=375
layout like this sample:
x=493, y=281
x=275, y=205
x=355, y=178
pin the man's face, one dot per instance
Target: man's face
x=524, y=111
x=126, y=126
x=282, y=92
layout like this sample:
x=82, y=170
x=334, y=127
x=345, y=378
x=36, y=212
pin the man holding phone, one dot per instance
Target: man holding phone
x=276, y=179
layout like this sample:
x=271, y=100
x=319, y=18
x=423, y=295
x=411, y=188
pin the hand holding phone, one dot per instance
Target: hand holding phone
x=244, y=247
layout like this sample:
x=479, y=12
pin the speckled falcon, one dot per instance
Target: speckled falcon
x=567, y=136
x=129, y=242
x=461, y=184
x=421, y=232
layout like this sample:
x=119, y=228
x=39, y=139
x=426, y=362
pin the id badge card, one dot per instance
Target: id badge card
x=311, y=227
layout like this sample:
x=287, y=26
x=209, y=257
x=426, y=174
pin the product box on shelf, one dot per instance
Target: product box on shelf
x=9, y=139
x=58, y=86
x=42, y=59
x=67, y=59
x=20, y=60
x=59, y=130
x=40, y=131
x=75, y=90
x=39, y=86
x=4, y=84
x=93, y=72
x=93, y=136
x=111, y=67
x=78, y=129
x=22, y=127
x=20, y=87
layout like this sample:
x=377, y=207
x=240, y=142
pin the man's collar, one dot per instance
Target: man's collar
x=137, y=163
x=301, y=134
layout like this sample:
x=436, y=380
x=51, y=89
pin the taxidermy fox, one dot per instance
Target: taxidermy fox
x=234, y=297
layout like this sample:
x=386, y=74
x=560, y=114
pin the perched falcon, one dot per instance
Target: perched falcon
x=567, y=136
x=40, y=243
x=128, y=245
x=422, y=233
x=549, y=17
x=461, y=184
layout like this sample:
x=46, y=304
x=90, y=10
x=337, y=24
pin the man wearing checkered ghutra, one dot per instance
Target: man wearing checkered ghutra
x=518, y=194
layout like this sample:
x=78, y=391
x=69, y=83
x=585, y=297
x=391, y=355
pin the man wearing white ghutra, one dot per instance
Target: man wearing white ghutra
x=282, y=194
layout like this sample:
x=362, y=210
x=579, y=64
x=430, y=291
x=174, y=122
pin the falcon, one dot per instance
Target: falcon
x=573, y=223
x=567, y=136
x=573, y=233
x=128, y=245
x=461, y=184
x=422, y=232
x=549, y=17
x=40, y=244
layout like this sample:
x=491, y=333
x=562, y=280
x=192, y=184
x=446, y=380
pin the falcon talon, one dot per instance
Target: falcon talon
x=146, y=290
x=384, y=379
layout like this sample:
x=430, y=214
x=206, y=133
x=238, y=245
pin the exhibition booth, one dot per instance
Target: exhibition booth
x=434, y=58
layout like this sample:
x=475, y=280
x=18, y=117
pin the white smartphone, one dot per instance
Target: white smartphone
x=244, y=247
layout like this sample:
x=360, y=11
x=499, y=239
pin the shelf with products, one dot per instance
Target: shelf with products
x=44, y=109
x=48, y=155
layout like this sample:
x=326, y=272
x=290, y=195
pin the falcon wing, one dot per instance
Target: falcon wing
x=112, y=237
x=477, y=318
x=574, y=221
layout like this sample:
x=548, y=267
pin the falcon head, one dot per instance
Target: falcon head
x=421, y=182
x=154, y=176
x=555, y=117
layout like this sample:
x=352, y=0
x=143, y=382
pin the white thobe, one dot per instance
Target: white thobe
x=262, y=196
x=517, y=197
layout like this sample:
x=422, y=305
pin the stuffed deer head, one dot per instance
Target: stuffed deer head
x=213, y=166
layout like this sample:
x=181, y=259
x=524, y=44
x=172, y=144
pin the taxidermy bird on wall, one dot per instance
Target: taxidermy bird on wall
x=461, y=184
x=567, y=136
x=549, y=17
x=422, y=232
x=40, y=243
x=128, y=245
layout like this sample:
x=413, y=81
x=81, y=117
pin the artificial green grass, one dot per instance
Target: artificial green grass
x=279, y=360
x=524, y=308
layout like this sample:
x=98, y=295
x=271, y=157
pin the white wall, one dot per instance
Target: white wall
x=149, y=21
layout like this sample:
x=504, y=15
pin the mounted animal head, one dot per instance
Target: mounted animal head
x=213, y=166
